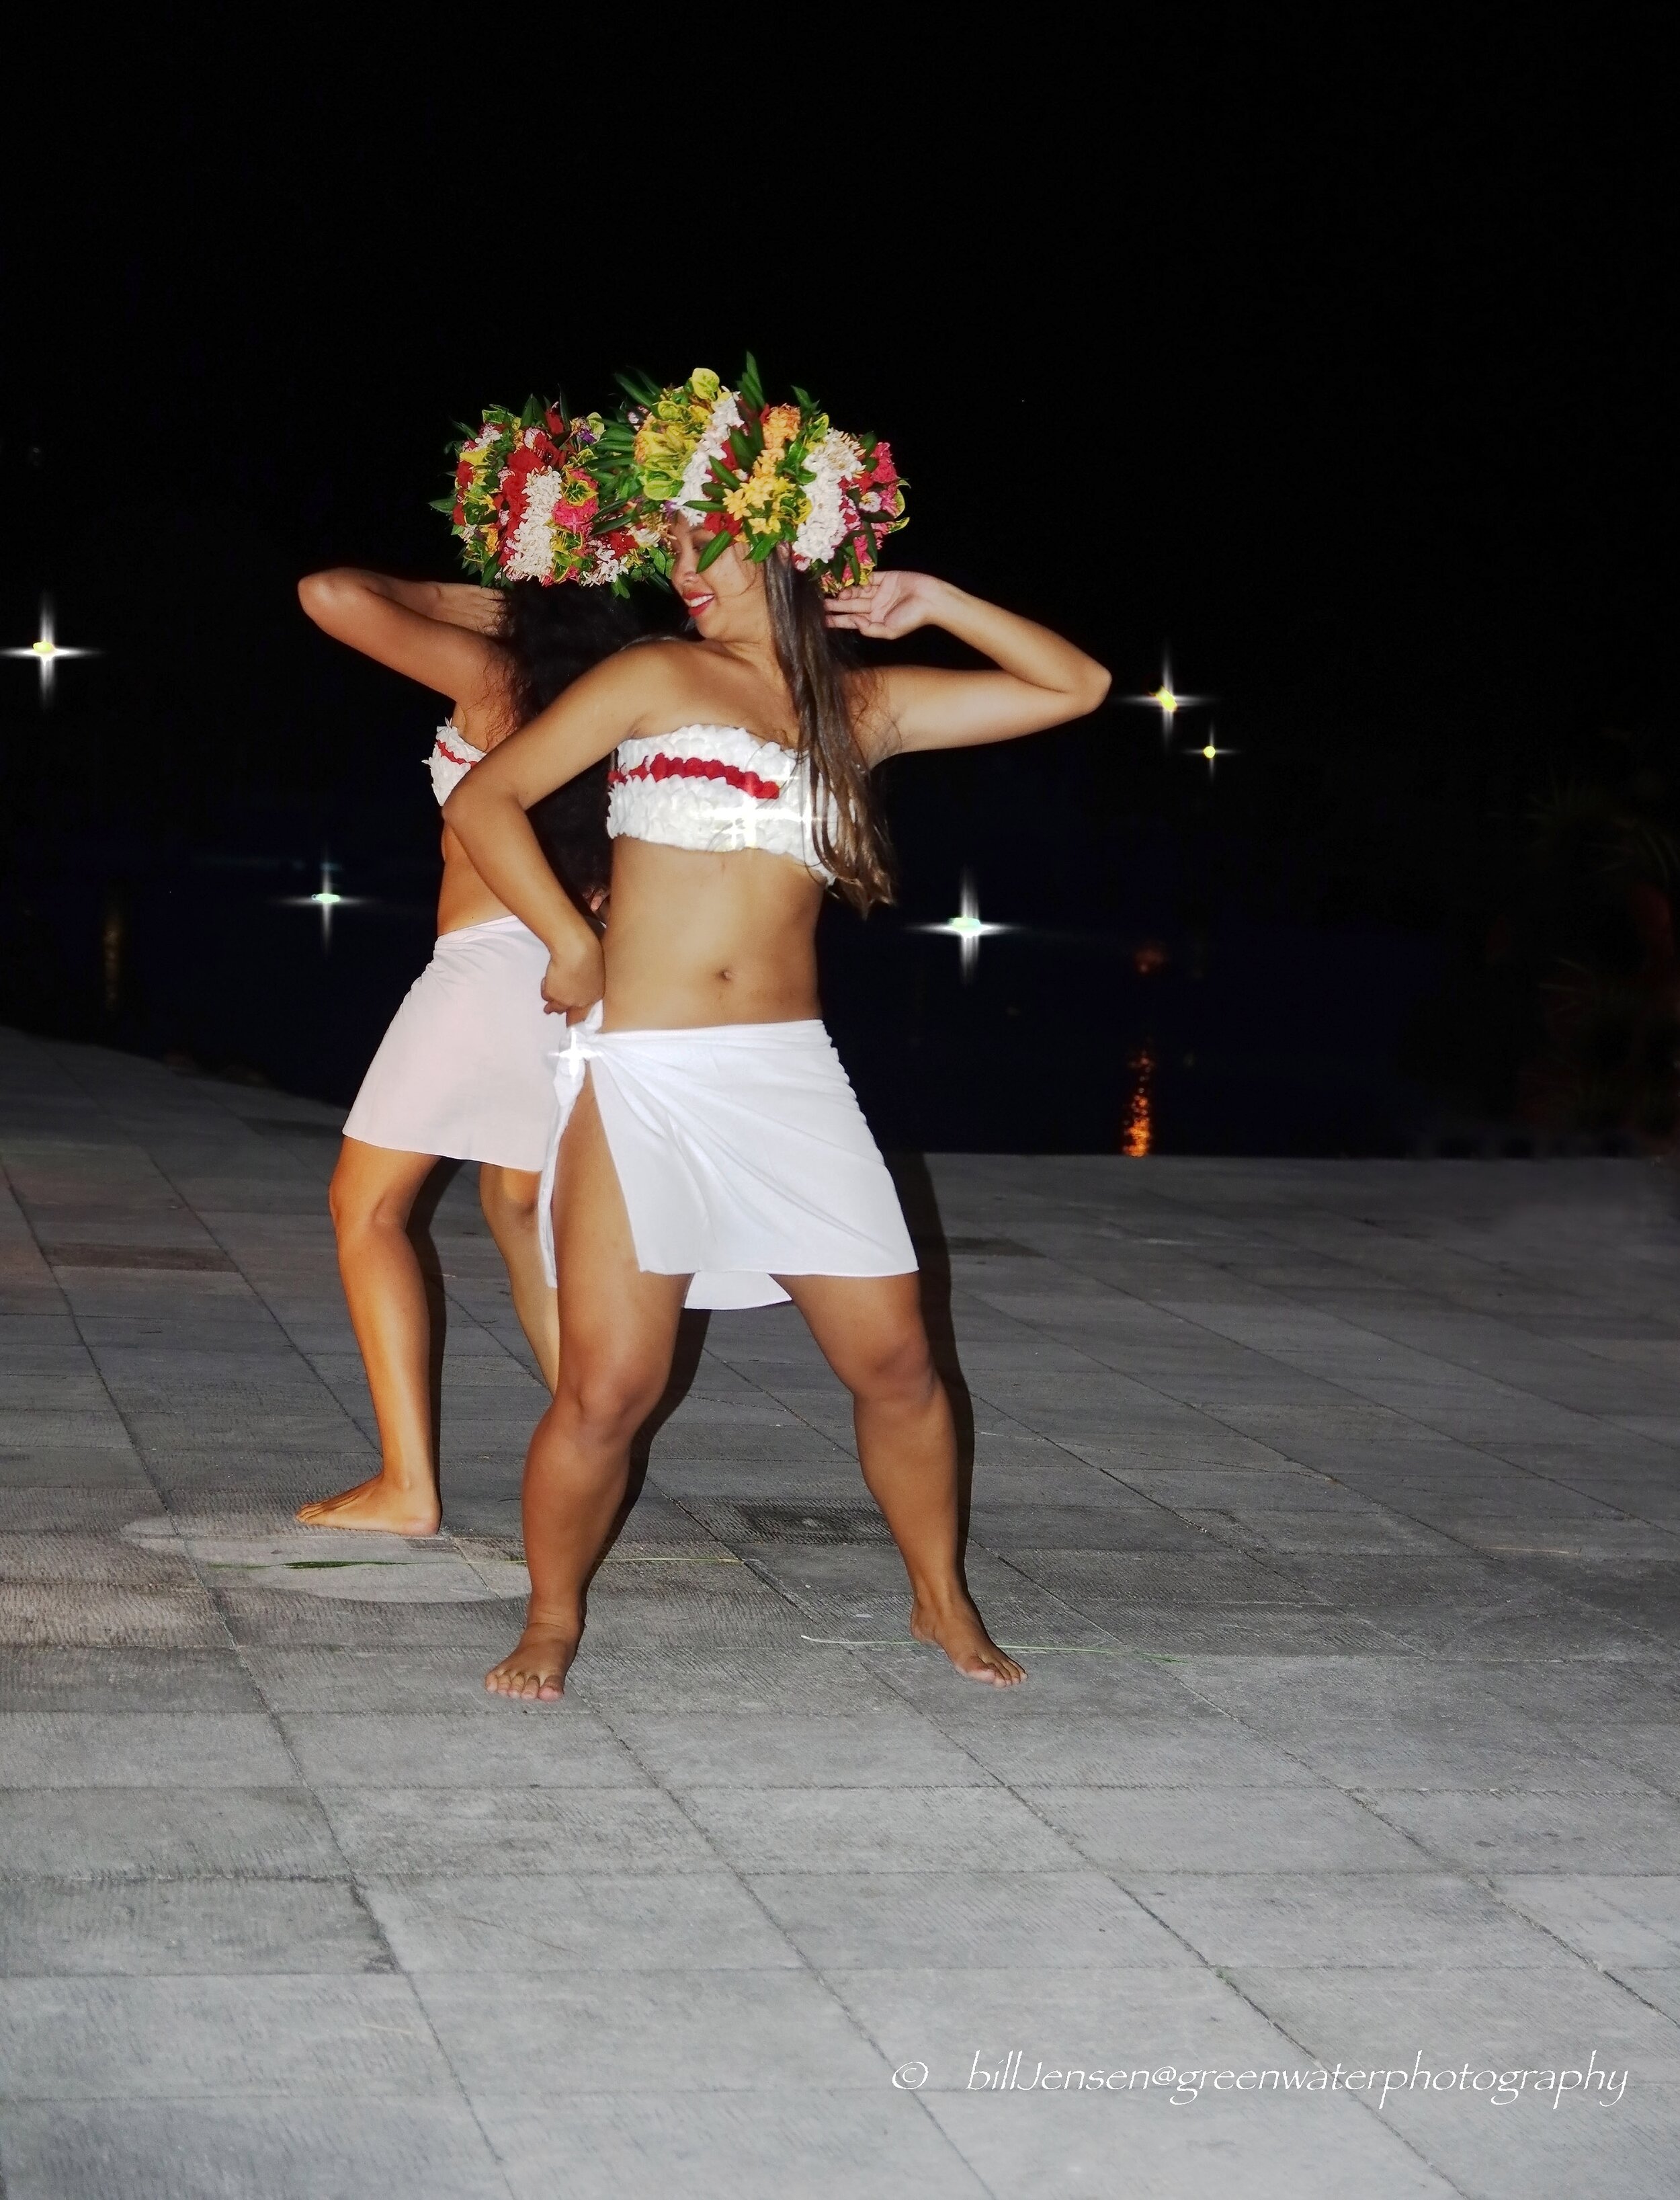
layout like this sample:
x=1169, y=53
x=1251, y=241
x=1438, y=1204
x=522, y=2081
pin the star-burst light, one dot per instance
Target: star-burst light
x=1211, y=751
x=967, y=928
x=326, y=899
x=1166, y=700
x=47, y=651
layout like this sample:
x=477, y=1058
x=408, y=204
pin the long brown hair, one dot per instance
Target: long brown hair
x=850, y=836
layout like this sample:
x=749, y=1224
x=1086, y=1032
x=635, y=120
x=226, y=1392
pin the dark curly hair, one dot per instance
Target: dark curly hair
x=552, y=636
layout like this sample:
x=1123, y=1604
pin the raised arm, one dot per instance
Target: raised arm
x=1040, y=680
x=487, y=811
x=441, y=633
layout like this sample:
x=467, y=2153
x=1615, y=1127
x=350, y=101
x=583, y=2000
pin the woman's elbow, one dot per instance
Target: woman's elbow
x=327, y=596
x=1094, y=688
x=459, y=807
x=473, y=804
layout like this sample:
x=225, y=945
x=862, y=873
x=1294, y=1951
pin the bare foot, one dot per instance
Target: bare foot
x=535, y=1670
x=377, y=1504
x=960, y=1633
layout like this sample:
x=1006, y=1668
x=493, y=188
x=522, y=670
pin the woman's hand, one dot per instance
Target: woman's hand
x=888, y=607
x=575, y=979
x=464, y=604
x=1040, y=678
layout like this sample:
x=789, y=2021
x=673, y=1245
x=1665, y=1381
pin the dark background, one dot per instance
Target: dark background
x=1321, y=348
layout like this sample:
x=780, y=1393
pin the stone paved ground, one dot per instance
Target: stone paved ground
x=1339, y=1501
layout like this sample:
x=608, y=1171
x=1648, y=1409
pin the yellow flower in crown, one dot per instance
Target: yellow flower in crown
x=766, y=492
x=781, y=425
x=667, y=439
x=661, y=452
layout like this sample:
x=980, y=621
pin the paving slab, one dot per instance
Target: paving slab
x=757, y=2146
x=704, y=2031
x=86, y=2039
x=986, y=1919
x=311, y=2149
x=1339, y=1503
x=560, y=1923
x=187, y=1928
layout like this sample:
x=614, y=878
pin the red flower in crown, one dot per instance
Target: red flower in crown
x=531, y=453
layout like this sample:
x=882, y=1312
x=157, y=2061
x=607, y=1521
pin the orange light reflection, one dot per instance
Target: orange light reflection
x=1137, y=1132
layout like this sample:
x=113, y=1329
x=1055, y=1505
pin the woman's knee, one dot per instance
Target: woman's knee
x=603, y=1413
x=508, y=1198
x=353, y=1204
x=360, y=1200
x=606, y=1395
x=895, y=1367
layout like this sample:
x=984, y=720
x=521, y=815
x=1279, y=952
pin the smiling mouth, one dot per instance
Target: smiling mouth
x=694, y=605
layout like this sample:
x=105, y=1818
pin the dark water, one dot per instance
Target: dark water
x=1241, y=1040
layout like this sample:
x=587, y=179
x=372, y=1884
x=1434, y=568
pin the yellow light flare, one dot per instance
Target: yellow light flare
x=1211, y=752
x=1166, y=700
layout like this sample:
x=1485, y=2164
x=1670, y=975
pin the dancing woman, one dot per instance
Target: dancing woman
x=466, y=1070
x=712, y=1129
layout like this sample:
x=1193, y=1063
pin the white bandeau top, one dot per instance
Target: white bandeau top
x=452, y=758
x=713, y=789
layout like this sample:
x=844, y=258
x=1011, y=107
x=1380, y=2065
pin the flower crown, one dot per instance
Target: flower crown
x=761, y=475
x=528, y=504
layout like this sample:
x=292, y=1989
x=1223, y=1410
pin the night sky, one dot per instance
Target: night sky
x=1317, y=345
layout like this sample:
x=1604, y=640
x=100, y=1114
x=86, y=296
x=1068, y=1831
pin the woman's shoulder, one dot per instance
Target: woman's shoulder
x=659, y=672
x=671, y=653
x=629, y=685
x=651, y=656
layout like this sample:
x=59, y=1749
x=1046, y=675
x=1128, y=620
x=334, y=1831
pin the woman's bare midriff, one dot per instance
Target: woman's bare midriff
x=698, y=939
x=464, y=898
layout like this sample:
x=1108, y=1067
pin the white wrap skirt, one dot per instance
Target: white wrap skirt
x=467, y=1069
x=743, y=1156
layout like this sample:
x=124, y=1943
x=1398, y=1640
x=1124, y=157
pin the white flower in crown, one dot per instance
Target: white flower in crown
x=530, y=555
x=607, y=566
x=697, y=473
x=823, y=529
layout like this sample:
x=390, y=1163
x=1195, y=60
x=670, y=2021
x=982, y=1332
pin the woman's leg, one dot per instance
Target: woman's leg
x=871, y=1332
x=509, y=1198
x=373, y=1192
x=620, y=1328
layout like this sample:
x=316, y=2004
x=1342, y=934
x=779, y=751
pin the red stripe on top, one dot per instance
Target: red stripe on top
x=450, y=757
x=667, y=766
